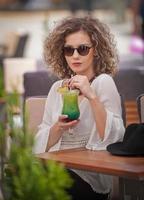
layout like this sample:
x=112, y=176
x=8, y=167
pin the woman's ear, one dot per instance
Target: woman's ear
x=94, y=52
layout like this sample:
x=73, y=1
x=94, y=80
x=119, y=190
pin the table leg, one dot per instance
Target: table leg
x=121, y=189
x=130, y=189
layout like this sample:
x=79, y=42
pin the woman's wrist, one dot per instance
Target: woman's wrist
x=57, y=129
x=92, y=96
x=55, y=134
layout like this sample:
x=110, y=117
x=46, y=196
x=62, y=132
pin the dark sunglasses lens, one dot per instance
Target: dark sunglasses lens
x=68, y=51
x=83, y=50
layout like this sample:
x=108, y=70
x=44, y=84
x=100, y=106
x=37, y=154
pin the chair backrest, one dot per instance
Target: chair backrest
x=38, y=83
x=34, y=109
x=15, y=44
x=130, y=82
x=21, y=45
x=11, y=42
x=123, y=110
x=14, y=68
x=140, y=107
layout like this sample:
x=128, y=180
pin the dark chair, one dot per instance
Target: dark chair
x=17, y=51
x=17, y=46
x=130, y=83
x=140, y=107
x=38, y=83
x=123, y=109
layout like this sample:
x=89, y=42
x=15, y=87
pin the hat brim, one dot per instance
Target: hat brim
x=117, y=149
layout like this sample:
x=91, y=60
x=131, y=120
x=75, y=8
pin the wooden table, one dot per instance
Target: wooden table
x=130, y=170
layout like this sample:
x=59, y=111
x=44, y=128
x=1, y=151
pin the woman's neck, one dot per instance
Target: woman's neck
x=90, y=76
x=91, y=80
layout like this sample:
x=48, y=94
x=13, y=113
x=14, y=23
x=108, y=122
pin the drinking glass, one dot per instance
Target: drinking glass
x=70, y=105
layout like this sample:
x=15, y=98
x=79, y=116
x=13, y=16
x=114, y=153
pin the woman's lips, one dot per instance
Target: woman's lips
x=76, y=64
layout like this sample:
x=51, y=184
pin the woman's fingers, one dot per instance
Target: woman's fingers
x=78, y=81
x=65, y=125
x=63, y=118
x=70, y=123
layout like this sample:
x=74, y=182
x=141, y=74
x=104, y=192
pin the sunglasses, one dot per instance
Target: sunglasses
x=83, y=50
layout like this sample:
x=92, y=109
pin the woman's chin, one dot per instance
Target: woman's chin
x=76, y=70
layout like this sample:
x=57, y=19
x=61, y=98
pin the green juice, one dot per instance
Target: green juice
x=70, y=104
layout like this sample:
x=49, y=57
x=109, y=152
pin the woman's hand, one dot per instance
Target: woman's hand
x=64, y=124
x=82, y=83
x=58, y=129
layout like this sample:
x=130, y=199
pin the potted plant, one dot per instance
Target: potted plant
x=23, y=176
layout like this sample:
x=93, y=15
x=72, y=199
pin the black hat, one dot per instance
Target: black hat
x=132, y=144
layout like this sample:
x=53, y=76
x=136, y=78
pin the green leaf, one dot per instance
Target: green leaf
x=24, y=176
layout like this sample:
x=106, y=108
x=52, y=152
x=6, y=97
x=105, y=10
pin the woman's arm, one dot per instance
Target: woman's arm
x=51, y=128
x=108, y=95
x=58, y=129
x=42, y=136
x=97, y=107
x=102, y=96
x=100, y=115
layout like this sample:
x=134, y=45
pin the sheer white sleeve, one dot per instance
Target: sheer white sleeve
x=42, y=135
x=106, y=90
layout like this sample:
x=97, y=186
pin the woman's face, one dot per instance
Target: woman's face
x=80, y=64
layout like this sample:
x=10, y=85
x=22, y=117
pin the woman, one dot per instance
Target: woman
x=81, y=50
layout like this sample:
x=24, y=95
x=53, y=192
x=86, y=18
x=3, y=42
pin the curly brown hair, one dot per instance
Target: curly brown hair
x=106, y=58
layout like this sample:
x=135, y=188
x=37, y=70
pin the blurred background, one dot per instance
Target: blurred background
x=24, y=25
x=36, y=17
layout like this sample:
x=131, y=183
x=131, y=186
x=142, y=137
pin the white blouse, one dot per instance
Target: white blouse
x=85, y=133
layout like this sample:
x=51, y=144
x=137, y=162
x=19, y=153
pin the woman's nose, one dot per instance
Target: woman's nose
x=75, y=54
